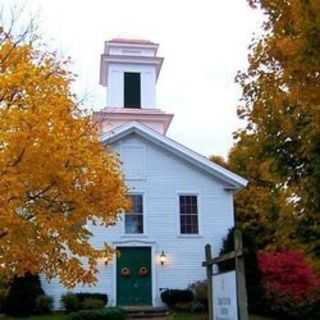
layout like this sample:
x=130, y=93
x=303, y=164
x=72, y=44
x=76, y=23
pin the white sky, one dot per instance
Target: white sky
x=204, y=43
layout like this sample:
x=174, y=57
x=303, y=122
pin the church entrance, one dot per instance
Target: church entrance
x=134, y=286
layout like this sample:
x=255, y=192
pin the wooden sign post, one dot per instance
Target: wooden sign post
x=209, y=278
x=241, y=292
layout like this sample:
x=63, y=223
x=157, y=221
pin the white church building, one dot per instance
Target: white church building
x=181, y=200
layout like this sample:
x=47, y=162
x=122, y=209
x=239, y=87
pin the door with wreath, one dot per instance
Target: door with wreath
x=134, y=276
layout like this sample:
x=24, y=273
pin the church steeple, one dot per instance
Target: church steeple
x=129, y=69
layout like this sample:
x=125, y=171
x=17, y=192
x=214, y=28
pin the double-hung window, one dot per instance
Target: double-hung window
x=134, y=218
x=189, y=219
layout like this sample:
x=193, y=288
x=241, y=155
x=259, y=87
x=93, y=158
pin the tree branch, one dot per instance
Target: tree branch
x=19, y=158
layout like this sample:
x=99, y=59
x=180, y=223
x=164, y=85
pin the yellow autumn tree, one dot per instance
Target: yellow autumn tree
x=278, y=150
x=56, y=178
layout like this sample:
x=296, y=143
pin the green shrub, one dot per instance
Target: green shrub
x=3, y=296
x=283, y=307
x=177, y=298
x=70, y=302
x=83, y=300
x=22, y=295
x=200, y=292
x=198, y=307
x=183, y=307
x=82, y=296
x=92, y=304
x=103, y=314
x=44, y=304
x=4, y=287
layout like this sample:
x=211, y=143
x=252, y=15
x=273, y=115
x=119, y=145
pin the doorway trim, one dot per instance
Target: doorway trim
x=137, y=243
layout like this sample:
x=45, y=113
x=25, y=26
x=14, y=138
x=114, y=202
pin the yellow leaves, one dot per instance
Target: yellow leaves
x=278, y=150
x=266, y=172
x=55, y=175
x=288, y=46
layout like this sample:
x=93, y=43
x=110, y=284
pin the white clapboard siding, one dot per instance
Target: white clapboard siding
x=161, y=176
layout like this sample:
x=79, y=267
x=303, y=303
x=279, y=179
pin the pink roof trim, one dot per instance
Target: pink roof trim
x=134, y=41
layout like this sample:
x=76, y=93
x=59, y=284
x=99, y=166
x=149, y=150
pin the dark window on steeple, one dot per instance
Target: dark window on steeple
x=132, y=90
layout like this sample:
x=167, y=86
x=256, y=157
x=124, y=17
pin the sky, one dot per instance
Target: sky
x=204, y=43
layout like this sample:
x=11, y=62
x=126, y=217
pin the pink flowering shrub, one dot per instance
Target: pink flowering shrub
x=290, y=283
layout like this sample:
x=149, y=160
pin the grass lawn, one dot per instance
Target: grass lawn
x=192, y=316
x=259, y=318
x=188, y=316
x=55, y=316
x=175, y=316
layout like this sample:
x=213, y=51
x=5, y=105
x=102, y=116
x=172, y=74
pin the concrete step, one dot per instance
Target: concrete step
x=162, y=318
x=147, y=312
x=148, y=316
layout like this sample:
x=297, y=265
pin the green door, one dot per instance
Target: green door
x=134, y=276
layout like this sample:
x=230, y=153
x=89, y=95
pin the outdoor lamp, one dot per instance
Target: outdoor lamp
x=107, y=260
x=163, y=258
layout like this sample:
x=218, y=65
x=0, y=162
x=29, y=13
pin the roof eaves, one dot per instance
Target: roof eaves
x=236, y=182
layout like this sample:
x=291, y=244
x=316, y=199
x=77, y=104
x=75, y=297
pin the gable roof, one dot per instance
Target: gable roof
x=233, y=181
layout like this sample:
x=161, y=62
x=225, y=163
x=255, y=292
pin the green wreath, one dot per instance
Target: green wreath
x=125, y=272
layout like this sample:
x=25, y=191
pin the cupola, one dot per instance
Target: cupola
x=129, y=69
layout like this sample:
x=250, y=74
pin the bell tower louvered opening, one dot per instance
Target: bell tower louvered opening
x=132, y=90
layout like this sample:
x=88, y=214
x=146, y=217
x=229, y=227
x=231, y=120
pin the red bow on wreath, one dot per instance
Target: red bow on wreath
x=143, y=271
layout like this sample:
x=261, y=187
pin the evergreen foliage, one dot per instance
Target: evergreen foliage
x=22, y=296
x=172, y=297
x=253, y=274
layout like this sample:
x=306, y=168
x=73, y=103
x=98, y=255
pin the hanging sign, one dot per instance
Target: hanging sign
x=225, y=305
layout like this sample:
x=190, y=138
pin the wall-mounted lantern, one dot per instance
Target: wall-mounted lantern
x=108, y=260
x=163, y=258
